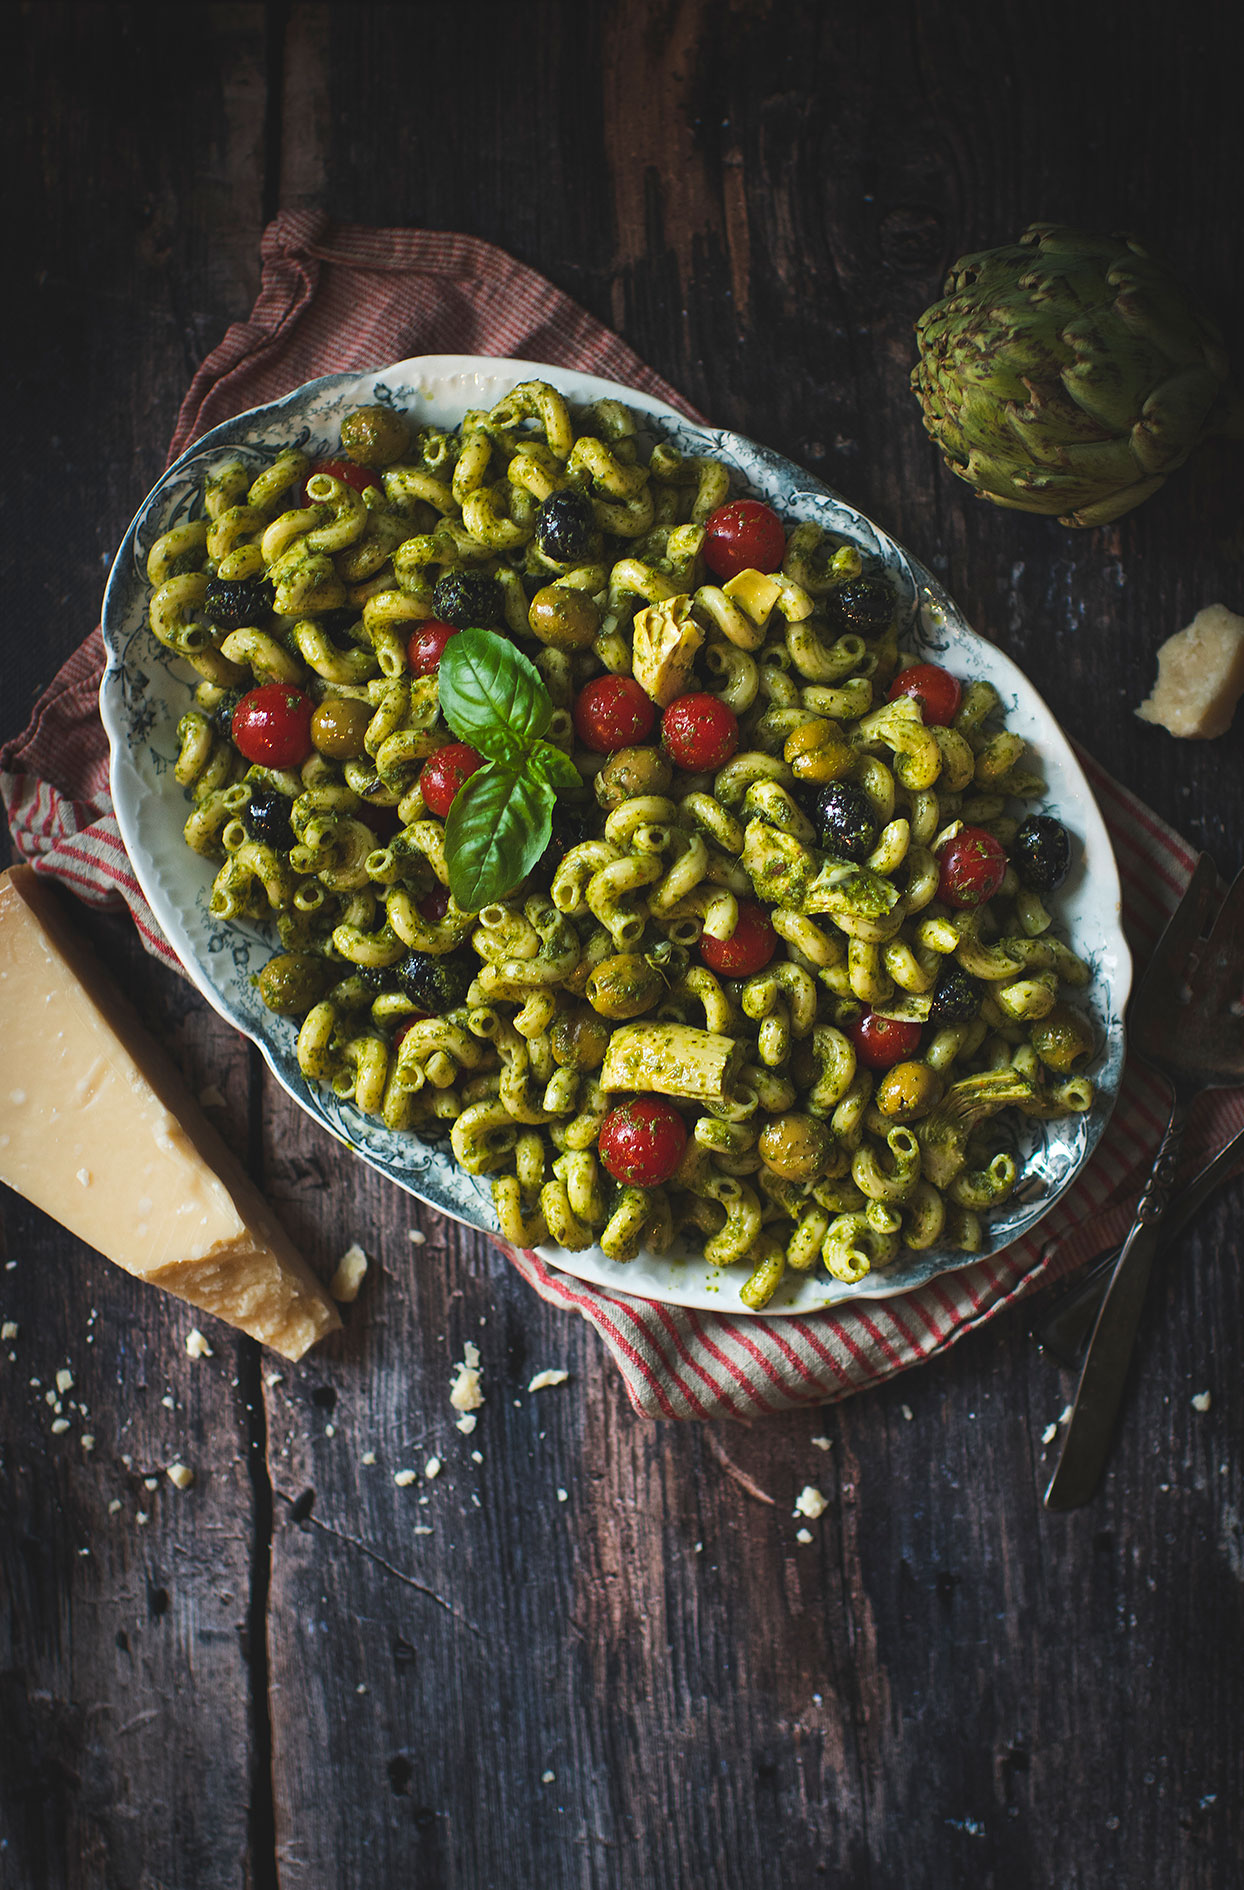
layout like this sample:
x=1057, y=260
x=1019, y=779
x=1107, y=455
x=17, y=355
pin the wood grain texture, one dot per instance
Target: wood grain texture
x=945, y=1686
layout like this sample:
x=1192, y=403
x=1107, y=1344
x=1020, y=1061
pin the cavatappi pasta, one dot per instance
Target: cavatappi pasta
x=586, y=985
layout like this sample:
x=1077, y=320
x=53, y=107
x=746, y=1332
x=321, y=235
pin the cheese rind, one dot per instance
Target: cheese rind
x=98, y=1130
x=1200, y=676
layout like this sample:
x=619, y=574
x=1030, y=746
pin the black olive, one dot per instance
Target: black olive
x=956, y=999
x=1041, y=853
x=847, y=821
x=867, y=604
x=266, y=817
x=469, y=600
x=566, y=526
x=571, y=825
x=222, y=714
x=245, y=601
x=436, y=981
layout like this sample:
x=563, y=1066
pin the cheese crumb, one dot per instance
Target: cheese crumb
x=477, y=1456
x=1201, y=1401
x=369, y=1456
x=546, y=1778
x=141, y=1516
x=404, y=1478
x=422, y=1529
x=87, y=1440
x=64, y=1381
x=59, y=1426
x=1049, y=1433
x=466, y=1423
x=10, y=1329
x=907, y=1412
x=197, y=1345
x=169, y=1402
x=803, y=1535
x=810, y=1502
x=1200, y=676
x=432, y=1468
x=151, y=1483
x=180, y=1475
x=543, y=1380
x=822, y=1443
x=351, y=1271
x=417, y=1237
x=563, y=1496
x=114, y=1506
x=464, y=1393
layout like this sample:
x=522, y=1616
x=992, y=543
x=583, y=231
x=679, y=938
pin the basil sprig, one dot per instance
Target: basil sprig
x=499, y=824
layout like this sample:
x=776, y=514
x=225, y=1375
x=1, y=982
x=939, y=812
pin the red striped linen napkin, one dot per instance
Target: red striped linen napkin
x=345, y=298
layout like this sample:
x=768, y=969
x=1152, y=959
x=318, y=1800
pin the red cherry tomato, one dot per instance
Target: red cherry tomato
x=272, y=726
x=749, y=948
x=425, y=645
x=743, y=536
x=973, y=866
x=642, y=1141
x=881, y=1042
x=613, y=712
x=407, y=1024
x=360, y=477
x=699, y=731
x=936, y=690
x=443, y=774
x=383, y=821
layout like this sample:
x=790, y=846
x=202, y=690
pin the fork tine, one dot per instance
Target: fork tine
x=1227, y=936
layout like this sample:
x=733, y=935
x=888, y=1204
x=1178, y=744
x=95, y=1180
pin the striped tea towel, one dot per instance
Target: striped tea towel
x=339, y=298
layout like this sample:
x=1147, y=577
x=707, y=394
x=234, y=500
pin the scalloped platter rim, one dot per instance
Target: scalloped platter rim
x=145, y=691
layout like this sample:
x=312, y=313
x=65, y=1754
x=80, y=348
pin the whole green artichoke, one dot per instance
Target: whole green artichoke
x=1069, y=374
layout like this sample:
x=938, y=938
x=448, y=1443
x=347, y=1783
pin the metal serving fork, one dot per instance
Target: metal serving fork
x=1186, y=1020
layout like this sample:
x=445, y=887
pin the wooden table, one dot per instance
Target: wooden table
x=275, y=1678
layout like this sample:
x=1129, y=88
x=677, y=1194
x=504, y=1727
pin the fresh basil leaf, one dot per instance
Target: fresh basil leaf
x=498, y=826
x=554, y=765
x=491, y=695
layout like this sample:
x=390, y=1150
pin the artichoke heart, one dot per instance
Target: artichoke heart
x=1069, y=374
x=673, y=1060
x=665, y=638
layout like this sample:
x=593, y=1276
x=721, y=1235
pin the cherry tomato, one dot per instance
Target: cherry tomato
x=613, y=712
x=383, y=821
x=642, y=1141
x=443, y=774
x=425, y=645
x=360, y=477
x=748, y=949
x=743, y=536
x=973, y=866
x=271, y=726
x=407, y=1024
x=699, y=731
x=936, y=690
x=881, y=1042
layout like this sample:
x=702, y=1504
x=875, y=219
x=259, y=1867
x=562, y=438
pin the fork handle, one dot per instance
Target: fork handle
x=1091, y=1426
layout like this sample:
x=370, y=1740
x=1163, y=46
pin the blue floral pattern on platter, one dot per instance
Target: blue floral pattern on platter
x=146, y=690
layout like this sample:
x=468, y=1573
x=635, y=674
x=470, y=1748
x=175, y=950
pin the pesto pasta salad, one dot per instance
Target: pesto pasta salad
x=610, y=832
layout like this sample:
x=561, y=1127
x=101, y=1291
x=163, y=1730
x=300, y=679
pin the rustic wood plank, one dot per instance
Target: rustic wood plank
x=128, y=1723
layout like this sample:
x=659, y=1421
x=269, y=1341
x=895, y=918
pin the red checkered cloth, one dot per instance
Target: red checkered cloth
x=341, y=298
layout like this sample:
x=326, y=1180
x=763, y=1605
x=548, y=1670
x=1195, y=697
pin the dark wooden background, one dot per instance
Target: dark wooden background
x=274, y=1680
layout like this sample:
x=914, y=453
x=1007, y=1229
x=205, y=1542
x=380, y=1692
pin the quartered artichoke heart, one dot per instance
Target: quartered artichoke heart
x=1069, y=374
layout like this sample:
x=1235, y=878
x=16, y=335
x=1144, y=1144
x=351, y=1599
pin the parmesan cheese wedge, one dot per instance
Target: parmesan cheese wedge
x=1200, y=676
x=98, y=1130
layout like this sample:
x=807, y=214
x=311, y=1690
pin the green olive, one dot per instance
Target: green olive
x=579, y=1040
x=294, y=981
x=624, y=986
x=632, y=771
x=1063, y=1038
x=909, y=1091
x=374, y=436
x=339, y=725
x=819, y=751
x=563, y=618
x=795, y=1147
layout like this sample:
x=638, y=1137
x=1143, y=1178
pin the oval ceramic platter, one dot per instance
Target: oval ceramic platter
x=146, y=689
